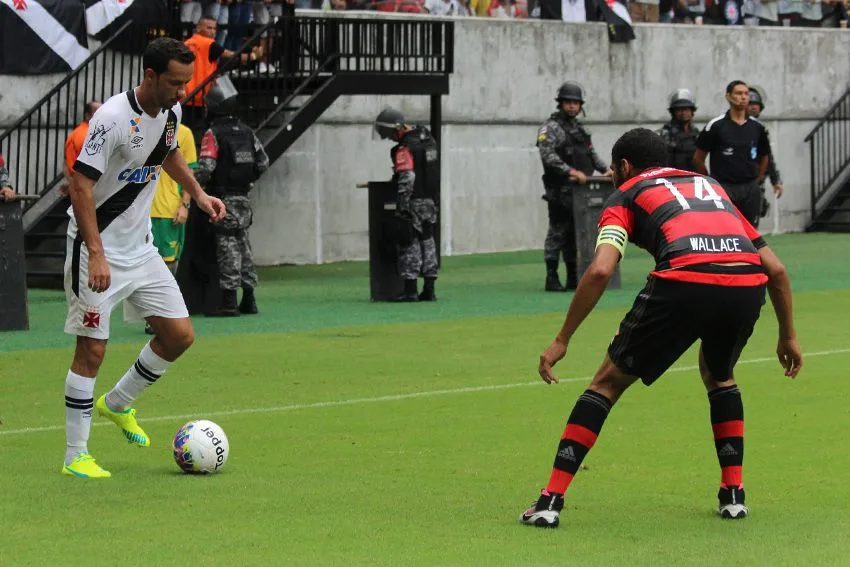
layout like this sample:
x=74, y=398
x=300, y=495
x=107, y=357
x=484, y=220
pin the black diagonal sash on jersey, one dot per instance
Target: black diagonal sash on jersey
x=118, y=203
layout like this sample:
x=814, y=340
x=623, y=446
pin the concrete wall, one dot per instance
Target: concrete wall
x=506, y=73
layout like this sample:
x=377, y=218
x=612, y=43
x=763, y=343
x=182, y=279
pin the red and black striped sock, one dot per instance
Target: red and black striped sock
x=727, y=421
x=582, y=429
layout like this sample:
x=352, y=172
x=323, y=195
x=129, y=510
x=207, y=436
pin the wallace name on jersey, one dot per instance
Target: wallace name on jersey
x=715, y=244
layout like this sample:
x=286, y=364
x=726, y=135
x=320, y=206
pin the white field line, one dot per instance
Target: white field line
x=391, y=398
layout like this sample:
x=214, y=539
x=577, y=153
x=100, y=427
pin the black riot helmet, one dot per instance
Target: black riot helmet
x=756, y=98
x=570, y=90
x=682, y=98
x=221, y=99
x=388, y=122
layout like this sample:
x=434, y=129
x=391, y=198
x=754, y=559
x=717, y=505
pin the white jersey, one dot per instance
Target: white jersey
x=123, y=154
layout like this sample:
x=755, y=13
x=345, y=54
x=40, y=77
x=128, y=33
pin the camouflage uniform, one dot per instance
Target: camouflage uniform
x=420, y=256
x=233, y=248
x=235, y=258
x=564, y=144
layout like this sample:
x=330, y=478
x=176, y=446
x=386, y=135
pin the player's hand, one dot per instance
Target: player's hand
x=99, y=276
x=790, y=356
x=550, y=357
x=213, y=207
x=609, y=173
x=778, y=189
x=182, y=215
x=578, y=176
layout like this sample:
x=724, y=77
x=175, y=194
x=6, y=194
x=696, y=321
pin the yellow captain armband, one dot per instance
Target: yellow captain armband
x=614, y=235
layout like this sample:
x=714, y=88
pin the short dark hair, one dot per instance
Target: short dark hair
x=87, y=107
x=160, y=51
x=731, y=86
x=642, y=148
x=210, y=18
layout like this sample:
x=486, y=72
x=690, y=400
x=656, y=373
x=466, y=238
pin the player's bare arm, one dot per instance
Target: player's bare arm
x=82, y=200
x=779, y=288
x=762, y=162
x=175, y=165
x=699, y=161
x=591, y=287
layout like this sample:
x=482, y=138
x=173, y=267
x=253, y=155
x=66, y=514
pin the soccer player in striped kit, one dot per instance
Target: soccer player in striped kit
x=712, y=268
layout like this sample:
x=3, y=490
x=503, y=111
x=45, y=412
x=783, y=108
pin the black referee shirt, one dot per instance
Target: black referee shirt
x=734, y=148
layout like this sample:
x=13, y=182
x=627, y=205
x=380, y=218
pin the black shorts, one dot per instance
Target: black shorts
x=748, y=198
x=669, y=316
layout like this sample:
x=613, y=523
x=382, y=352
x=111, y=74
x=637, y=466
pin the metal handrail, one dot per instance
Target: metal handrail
x=228, y=65
x=826, y=116
x=296, y=92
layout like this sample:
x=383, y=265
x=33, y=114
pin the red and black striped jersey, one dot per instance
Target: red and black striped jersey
x=689, y=224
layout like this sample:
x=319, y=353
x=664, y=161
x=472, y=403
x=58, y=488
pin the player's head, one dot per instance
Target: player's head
x=206, y=27
x=168, y=66
x=90, y=108
x=738, y=95
x=637, y=150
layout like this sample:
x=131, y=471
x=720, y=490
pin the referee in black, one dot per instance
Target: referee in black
x=739, y=148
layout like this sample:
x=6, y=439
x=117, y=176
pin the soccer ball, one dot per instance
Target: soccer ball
x=200, y=446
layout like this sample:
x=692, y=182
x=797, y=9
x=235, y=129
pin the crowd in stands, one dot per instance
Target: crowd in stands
x=797, y=13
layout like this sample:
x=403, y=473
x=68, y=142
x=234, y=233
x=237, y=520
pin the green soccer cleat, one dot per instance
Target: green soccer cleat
x=126, y=420
x=84, y=466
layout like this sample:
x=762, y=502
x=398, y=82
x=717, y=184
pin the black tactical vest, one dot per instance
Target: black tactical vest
x=235, y=170
x=426, y=165
x=681, y=146
x=575, y=151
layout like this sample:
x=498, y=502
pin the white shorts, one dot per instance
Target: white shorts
x=148, y=289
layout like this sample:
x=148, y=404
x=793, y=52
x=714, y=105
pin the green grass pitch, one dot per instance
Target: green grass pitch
x=415, y=434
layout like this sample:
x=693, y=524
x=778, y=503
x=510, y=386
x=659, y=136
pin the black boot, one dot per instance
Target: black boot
x=227, y=304
x=409, y=293
x=428, y=293
x=248, y=306
x=572, y=279
x=552, y=281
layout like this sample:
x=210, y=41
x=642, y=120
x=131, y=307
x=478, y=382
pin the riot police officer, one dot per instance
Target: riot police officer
x=568, y=158
x=679, y=134
x=416, y=172
x=231, y=159
x=754, y=109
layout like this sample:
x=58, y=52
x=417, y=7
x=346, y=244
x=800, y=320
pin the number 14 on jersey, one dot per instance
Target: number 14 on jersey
x=702, y=191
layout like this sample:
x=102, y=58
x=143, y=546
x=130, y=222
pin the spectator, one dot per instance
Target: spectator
x=445, y=8
x=765, y=12
x=207, y=54
x=74, y=143
x=7, y=192
x=644, y=10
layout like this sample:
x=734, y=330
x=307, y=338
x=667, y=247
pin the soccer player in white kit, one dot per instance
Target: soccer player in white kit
x=111, y=256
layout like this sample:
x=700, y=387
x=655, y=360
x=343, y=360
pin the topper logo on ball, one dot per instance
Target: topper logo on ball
x=219, y=451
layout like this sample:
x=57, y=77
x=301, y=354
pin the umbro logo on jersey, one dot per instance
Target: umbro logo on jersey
x=142, y=174
x=136, y=142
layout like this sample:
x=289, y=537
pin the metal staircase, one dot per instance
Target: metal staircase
x=829, y=148
x=310, y=62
